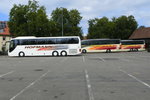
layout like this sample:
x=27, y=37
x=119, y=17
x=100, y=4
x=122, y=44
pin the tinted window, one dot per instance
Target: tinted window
x=62, y=41
x=84, y=43
x=67, y=40
x=27, y=42
x=96, y=42
x=41, y=41
x=23, y=42
x=100, y=42
x=50, y=41
x=114, y=41
x=13, y=45
x=73, y=40
x=32, y=42
x=132, y=42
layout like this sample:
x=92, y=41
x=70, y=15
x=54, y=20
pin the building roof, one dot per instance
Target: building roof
x=4, y=29
x=141, y=33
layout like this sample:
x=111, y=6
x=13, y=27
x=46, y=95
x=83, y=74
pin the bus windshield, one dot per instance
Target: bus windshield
x=12, y=45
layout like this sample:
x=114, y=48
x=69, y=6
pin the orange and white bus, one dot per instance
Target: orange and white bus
x=100, y=45
x=132, y=45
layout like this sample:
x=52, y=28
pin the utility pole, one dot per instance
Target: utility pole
x=62, y=24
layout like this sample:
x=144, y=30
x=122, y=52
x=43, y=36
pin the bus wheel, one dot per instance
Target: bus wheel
x=21, y=54
x=63, y=53
x=109, y=50
x=55, y=53
x=84, y=51
x=136, y=50
x=131, y=50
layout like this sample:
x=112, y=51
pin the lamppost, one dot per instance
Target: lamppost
x=62, y=25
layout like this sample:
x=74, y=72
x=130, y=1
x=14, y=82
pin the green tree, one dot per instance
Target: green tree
x=100, y=28
x=124, y=26
x=17, y=20
x=121, y=27
x=28, y=20
x=70, y=21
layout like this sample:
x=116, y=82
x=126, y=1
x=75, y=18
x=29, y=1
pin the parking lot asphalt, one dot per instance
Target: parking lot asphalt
x=94, y=76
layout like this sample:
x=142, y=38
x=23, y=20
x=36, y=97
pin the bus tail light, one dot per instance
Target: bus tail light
x=144, y=46
x=79, y=50
x=120, y=46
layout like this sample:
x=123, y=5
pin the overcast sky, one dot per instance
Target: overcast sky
x=90, y=9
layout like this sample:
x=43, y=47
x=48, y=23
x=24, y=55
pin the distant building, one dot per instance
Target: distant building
x=142, y=34
x=4, y=35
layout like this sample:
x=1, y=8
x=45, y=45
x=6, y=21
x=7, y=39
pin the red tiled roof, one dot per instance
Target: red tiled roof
x=5, y=30
x=141, y=33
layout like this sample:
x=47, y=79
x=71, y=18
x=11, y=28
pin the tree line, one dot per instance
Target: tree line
x=121, y=27
x=32, y=20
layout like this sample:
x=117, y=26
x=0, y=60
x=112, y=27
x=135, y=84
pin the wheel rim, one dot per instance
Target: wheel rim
x=55, y=54
x=21, y=54
x=84, y=51
x=63, y=53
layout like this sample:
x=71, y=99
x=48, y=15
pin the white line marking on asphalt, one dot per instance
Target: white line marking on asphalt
x=83, y=58
x=102, y=59
x=136, y=78
x=6, y=74
x=90, y=93
x=29, y=86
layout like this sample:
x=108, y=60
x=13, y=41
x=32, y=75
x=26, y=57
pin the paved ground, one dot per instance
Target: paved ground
x=97, y=76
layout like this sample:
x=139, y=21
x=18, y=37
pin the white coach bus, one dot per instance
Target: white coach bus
x=45, y=46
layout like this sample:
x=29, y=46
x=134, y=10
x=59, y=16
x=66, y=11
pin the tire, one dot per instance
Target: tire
x=21, y=54
x=131, y=50
x=55, y=53
x=136, y=50
x=63, y=53
x=84, y=51
x=108, y=51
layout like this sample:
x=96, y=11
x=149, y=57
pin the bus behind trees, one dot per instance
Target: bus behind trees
x=132, y=45
x=45, y=46
x=100, y=45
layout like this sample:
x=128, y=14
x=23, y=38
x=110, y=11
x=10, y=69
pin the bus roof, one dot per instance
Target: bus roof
x=130, y=40
x=99, y=39
x=33, y=37
x=25, y=37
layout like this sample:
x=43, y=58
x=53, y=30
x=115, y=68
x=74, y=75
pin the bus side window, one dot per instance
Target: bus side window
x=73, y=41
x=23, y=42
x=59, y=41
x=83, y=43
x=51, y=41
x=32, y=42
x=64, y=41
x=41, y=41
